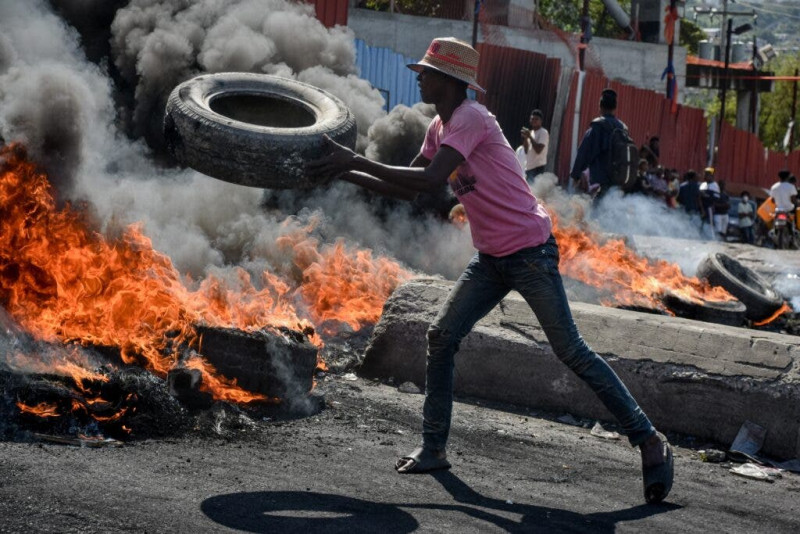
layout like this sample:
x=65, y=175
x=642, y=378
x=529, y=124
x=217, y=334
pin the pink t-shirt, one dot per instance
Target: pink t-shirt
x=503, y=214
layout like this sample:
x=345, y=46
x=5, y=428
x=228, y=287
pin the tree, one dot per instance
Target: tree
x=566, y=15
x=690, y=36
x=423, y=8
x=776, y=107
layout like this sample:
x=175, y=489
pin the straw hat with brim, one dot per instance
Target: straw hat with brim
x=453, y=57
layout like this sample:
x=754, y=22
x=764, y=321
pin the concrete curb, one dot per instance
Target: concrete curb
x=691, y=377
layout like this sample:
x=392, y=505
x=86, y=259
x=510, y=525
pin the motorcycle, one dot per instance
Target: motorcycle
x=784, y=232
x=777, y=228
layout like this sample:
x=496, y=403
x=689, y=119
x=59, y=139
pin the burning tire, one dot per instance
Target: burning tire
x=254, y=129
x=746, y=285
x=731, y=312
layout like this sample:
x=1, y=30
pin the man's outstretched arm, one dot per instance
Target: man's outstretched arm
x=422, y=176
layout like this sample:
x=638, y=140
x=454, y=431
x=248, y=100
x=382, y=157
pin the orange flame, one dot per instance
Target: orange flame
x=632, y=279
x=43, y=409
x=221, y=387
x=783, y=309
x=63, y=282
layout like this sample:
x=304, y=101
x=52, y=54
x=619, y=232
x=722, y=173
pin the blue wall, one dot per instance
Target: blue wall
x=386, y=70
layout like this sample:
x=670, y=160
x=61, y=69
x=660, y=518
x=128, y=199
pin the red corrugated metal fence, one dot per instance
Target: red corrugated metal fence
x=331, y=12
x=516, y=82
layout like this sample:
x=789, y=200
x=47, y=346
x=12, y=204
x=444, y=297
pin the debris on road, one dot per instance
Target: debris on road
x=568, y=419
x=712, y=455
x=409, y=387
x=748, y=442
x=600, y=432
x=94, y=442
x=757, y=472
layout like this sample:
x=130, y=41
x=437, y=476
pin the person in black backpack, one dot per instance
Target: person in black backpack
x=607, y=150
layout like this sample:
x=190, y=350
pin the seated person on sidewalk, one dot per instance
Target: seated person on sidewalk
x=511, y=230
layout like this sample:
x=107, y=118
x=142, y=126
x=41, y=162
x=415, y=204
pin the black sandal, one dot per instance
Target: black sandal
x=657, y=477
x=422, y=461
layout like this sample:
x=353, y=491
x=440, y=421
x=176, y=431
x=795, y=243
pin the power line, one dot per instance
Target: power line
x=759, y=7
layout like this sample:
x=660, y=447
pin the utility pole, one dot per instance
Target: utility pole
x=475, y=23
x=794, y=110
x=585, y=34
x=724, y=79
x=725, y=14
x=670, y=55
x=754, y=92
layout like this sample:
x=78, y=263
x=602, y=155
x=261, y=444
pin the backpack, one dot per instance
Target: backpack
x=623, y=163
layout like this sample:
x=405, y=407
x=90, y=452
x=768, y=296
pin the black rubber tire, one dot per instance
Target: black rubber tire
x=745, y=284
x=731, y=312
x=254, y=129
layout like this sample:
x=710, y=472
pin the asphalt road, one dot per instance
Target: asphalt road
x=332, y=472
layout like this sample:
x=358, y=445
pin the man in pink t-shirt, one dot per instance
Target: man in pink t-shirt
x=511, y=230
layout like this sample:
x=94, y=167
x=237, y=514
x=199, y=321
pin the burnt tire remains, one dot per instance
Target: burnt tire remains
x=254, y=129
x=745, y=284
x=276, y=363
x=730, y=312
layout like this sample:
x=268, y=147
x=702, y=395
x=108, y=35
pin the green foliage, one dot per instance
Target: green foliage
x=424, y=8
x=776, y=107
x=566, y=15
x=690, y=36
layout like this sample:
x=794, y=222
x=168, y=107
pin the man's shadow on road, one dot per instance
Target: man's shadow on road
x=309, y=512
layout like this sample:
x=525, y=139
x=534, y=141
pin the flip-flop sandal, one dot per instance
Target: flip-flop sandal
x=658, y=478
x=422, y=461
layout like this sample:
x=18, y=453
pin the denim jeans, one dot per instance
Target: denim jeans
x=533, y=272
x=531, y=174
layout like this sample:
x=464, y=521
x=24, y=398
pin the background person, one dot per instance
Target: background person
x=651, y=151
x=709, y=190
x=783, y=192
x=689, y=193
x=535, y=141
x=722, y=206
x=594, y=152
x=746, y=212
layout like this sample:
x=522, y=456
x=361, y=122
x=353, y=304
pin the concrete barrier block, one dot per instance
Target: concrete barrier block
x=690, y=377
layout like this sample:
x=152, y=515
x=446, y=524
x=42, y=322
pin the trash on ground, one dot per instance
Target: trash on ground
x=600, y=432
x=569, y=420
x=408, y=387
x=748, y=442
x=349, y=376
x=81, y=441
x=757, y=472
x=712, y=455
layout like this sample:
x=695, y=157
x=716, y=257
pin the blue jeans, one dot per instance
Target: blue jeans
x=531, y=174
x=533, y=272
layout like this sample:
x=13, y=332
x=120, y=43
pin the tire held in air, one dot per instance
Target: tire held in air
x=254, y=129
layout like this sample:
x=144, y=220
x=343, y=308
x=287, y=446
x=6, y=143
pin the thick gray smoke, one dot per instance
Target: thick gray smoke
x=157, y=45
x=64, y=108
x=396, y=138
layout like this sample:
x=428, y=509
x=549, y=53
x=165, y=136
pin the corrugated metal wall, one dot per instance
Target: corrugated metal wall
x=386, y=70
x=563, y=163
x=740, y=157
x=331, y=12
x=517, y=81
x=777, y=161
